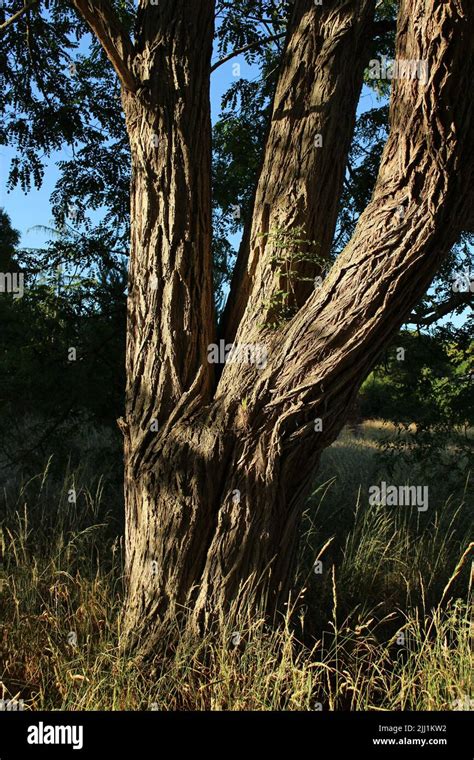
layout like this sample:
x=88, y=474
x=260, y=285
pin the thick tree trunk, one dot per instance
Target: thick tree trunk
x=217, y=477
x=317, y=362
x=214, y=499
x=170, y=306
x=181, y=471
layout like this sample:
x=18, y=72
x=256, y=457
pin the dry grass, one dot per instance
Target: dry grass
x=386, y=625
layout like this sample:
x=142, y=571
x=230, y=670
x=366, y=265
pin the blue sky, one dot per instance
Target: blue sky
x=28, y=210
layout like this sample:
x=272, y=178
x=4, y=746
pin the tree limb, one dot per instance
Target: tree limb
x=441, y=310
x=245, y=48
x=18, y=14
x=301, y=180
x=319, y=359
x=468, y=224
x=101, y=18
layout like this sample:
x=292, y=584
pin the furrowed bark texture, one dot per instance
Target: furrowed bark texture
x=170, y=314
x=103, y=22
x=311, y=128
x=215, y=494
x=179, y=505
x=317, y=363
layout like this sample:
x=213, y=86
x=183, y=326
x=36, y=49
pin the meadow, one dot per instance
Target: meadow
x=381, y=617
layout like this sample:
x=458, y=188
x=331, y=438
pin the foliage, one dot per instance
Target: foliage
x=61, y=345
x=423, y=378
x=428, y=393
x=290, y=251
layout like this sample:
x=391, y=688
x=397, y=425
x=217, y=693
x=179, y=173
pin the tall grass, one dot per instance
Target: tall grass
x=385, y=625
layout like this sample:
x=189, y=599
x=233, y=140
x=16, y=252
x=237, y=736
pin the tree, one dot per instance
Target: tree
x=219, y=459
x=61, y=346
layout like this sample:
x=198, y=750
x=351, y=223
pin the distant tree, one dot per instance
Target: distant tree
x=61, y=344
x=9, y=239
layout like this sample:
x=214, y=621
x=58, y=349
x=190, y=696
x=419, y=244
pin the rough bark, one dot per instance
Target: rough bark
x=103, y=22
x=215, y=495
x=170, y=313
x=317, y=363
x=181, y=514
x=301, y=180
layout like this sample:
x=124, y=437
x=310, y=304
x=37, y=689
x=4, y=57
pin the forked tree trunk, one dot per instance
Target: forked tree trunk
x=180, y=478
x=217, y=476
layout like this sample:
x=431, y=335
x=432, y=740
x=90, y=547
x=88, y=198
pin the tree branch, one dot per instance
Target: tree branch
x=318, y=360
x=468, y=224
x=441, y=310
x=101, y=18
x=301, y=179
x=18, y=14
x=245, y=48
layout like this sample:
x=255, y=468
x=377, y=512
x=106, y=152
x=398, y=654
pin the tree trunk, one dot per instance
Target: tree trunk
x=172, y=508
x=304, y=161
x=319, y=359
x=220, y=498
x=170, y=305
x=218, y=470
